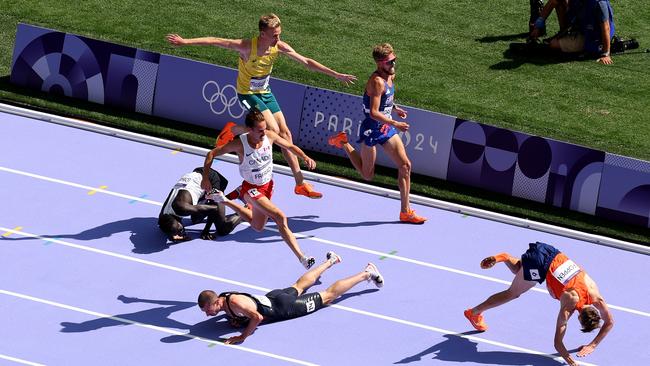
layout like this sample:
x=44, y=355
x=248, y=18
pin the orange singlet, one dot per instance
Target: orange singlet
x=564, y=274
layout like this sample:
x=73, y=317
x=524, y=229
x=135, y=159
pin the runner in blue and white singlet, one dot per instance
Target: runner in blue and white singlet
x=374, y=132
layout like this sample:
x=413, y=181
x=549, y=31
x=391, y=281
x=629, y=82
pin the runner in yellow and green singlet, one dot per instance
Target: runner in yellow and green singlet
x=256, y=58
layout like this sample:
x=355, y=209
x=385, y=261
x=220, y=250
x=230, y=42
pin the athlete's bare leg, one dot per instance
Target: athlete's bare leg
x=308, y=279
x=518, y=286
x=263, y=209
x=340, y=287
x=394, y=148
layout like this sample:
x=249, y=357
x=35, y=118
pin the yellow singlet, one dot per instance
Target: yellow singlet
x=254, y=74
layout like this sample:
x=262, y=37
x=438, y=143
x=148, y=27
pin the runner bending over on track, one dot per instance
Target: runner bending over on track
x=246, y=310
x=380, y=128
x=565, y=281
x=255, y=152
x=187, y=198
x=256, y=58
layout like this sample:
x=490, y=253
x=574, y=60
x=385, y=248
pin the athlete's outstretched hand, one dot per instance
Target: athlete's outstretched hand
x=346, y=78
x=235, y=339
x=585, y=350
x=175, y=39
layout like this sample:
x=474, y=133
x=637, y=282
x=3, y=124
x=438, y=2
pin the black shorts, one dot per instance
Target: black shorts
x=286, y=303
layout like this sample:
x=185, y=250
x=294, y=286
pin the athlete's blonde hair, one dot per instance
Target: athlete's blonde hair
x=381, y=51
x=269, y=21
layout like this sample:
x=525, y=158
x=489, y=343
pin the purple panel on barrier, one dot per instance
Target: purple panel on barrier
x=428, y=141
x=625, y=190
x=204, y=94
x=525, y=166
x=84, y=68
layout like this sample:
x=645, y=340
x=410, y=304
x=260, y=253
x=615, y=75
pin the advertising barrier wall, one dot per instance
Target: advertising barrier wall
x=427, y=142
x=521, y=165
x=509, y=162
x=84, y=68
x=627, y=197
x=204, y=94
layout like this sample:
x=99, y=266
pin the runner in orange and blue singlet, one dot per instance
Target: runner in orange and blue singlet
x=566, y=281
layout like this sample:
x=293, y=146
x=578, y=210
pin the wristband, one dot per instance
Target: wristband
x=540, y=23
x=604, y=54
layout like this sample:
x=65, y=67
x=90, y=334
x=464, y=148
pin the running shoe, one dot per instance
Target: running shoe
x=307, y=190
x=411, y=217
x=308, y=261
x=477, y=320
x=226, y=135
x=338, y=140
x=216, y=196
x=333, y=257
x=375, y=276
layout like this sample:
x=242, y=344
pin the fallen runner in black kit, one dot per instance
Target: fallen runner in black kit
x=187, y=198
x=247, y=310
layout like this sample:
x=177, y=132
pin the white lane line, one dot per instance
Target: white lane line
x=18, y=360
x=324, y=241
x=152, y=327
x=264, y=290
x=76, y=185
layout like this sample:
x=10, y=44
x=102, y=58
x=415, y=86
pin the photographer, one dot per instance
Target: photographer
x=590, y=27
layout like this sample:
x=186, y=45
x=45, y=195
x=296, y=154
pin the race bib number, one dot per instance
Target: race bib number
x=254, y=193
x=566, y=272
x=260, y=83
x=534, y=274
x=311, y=306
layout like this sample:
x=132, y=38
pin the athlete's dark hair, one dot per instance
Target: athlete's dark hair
x=589, y=318
x=169, y=225
x=206, y=297
x=253, y=117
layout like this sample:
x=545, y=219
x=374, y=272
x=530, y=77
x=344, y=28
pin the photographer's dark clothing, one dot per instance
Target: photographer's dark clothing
x=587, y=17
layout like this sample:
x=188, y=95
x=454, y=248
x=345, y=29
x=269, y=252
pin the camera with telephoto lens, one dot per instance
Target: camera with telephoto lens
x=620, y=45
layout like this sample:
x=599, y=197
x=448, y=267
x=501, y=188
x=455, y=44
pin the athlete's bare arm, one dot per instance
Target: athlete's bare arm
x=243, y=305
x=274, y=138
x=608, y=321
x=240, y=45
x=233, y=146
x=314, y=65
x=568, y=301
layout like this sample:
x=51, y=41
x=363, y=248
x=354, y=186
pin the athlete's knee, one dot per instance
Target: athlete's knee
x=368, y=174
x=257, y=226
x=327, y=296
x=405, y=167
x=286, y=134
x=280, y=218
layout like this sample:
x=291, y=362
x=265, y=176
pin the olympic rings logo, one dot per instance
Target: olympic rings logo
x=221, y=100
